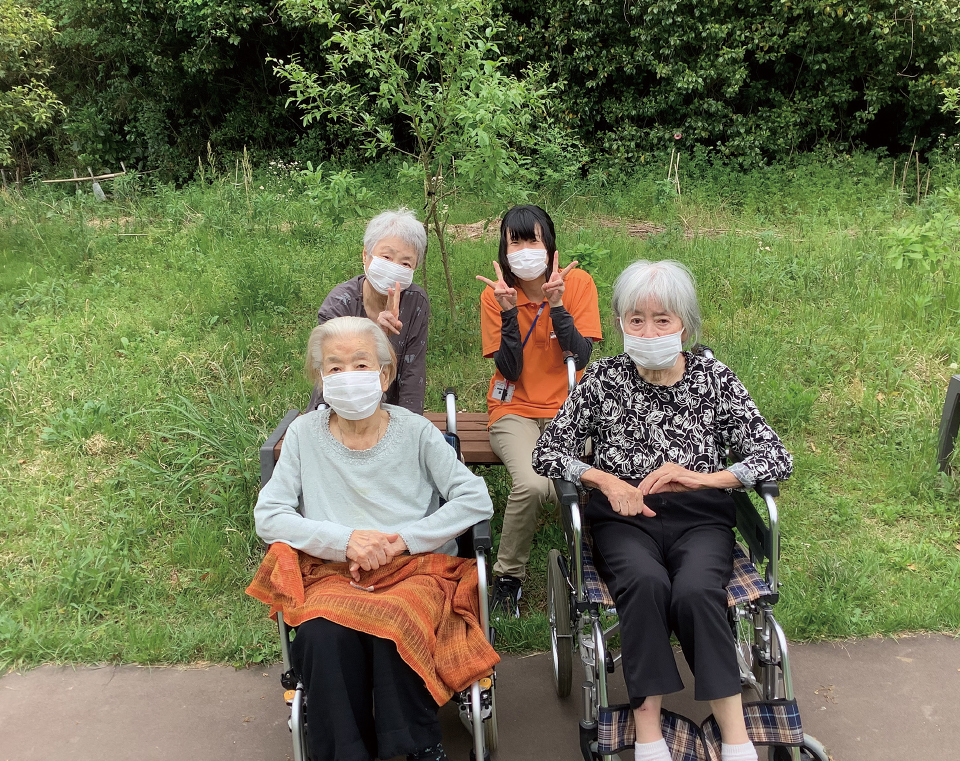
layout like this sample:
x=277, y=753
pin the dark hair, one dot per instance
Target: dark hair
x=521, y=223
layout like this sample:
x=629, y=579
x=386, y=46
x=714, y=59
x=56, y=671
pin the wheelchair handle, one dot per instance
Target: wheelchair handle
x=571, y=373
x=450, y=397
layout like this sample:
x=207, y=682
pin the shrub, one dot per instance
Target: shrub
x=753, y=78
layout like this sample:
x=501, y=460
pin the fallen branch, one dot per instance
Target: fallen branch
x=89, y=179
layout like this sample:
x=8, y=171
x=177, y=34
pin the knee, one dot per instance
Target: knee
x=642, y=590
x=321, y=635
x=690, y=598
x=531, y=489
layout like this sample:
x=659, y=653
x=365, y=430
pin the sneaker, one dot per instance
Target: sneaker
x=506, y=597
x=433, y=753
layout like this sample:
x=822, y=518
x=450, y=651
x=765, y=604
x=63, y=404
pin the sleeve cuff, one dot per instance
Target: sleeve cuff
x=743, y=474
x=574, y=470
x=341, y=551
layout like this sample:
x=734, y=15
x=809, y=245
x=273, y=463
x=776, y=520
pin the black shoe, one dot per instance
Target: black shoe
x=433, y=753
x=506, y=597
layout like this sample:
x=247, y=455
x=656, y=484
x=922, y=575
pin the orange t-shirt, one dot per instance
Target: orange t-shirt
x=542, y=385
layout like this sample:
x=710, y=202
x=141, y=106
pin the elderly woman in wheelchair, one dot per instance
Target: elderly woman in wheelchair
x=660, y=511
x=372, y=496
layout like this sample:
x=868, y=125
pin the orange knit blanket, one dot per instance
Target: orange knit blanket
x=427, y=604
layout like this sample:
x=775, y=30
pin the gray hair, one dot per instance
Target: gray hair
x=348, y=327
x=401, y=223
x=669, y=283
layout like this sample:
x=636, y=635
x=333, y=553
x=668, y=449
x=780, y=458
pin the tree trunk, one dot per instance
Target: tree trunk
x=440, y=229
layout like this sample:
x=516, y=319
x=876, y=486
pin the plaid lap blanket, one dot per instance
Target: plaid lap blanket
x=745, y=585
x=769, y=722
x=427, y=604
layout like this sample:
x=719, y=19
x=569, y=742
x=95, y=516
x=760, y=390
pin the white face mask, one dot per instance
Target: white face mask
x=353, y=395
x=528, y=263
x=383, y=275
x=654, y=353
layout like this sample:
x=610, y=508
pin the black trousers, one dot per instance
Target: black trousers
x=345, y=674
x=668, y=574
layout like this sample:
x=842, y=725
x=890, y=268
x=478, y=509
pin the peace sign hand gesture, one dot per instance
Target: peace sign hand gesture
x=389, y=318
x=554, y=287
x=505, y=295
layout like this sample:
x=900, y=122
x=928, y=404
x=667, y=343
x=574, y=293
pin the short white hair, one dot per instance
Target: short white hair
x=401, y=223
x=669, y=283
x=348, y=327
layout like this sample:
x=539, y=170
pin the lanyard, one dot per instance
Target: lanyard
x=532, y=326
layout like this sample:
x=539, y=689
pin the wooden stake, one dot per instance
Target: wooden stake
x=676, y=174
x=918, y=178
x=903, y=180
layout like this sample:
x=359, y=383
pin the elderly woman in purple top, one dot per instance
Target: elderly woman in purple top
x=660, y=510
x=393, y=247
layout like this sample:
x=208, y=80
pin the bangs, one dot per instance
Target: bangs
x=527, y=228
x=524, y=223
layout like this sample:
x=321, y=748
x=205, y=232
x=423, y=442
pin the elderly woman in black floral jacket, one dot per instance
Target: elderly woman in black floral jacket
x=660, y=510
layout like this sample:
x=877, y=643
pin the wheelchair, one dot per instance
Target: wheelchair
x=477, y=707
x=582, y=618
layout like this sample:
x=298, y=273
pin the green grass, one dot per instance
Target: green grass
x=149, y=344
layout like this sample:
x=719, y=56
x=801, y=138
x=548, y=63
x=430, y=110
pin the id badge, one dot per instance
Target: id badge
x=503, y=390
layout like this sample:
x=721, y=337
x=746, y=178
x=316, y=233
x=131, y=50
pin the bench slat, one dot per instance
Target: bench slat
x=471, y=429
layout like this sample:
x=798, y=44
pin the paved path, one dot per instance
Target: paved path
x=867, y=700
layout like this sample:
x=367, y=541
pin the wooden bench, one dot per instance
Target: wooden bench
x=471, y=429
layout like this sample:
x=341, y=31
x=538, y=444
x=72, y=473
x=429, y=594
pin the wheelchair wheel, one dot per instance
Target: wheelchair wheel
x=810, y=750
x=558, y=612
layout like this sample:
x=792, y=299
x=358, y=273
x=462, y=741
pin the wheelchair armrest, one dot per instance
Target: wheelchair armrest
x=762, y=535
x=566, y=491
x=267, y=462
x=771, y=488
x=481, y=536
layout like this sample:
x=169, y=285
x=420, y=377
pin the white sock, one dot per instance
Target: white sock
x=745, y=752
x=655, y=751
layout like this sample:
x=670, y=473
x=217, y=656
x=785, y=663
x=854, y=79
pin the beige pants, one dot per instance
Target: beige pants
x=512, y=438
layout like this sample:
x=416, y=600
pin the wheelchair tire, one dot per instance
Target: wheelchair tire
x=491, y=735
x=810, y=750
x=558, y=613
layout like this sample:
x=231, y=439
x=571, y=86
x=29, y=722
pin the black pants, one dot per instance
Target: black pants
x=668, y=574
x=346, y=673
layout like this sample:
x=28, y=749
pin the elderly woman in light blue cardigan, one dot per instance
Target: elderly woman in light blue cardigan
x=362, y=483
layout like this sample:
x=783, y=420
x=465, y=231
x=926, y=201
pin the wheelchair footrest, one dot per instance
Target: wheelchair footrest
x=769, y=722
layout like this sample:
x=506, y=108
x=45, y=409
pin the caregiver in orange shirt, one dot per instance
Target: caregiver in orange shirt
x=532, y=317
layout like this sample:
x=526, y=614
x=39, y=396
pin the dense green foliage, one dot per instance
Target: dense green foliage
x=755, y=78
x=153, y=84
x=148, y=344
x=27, y=105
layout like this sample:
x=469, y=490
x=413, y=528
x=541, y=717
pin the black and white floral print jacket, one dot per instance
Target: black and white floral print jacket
x=637, y=426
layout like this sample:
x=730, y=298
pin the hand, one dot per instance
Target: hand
x=554, y=287
x=673, y=477
x=505, y=295
x=368, y=550
x=624, y=498
x=389, y=318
